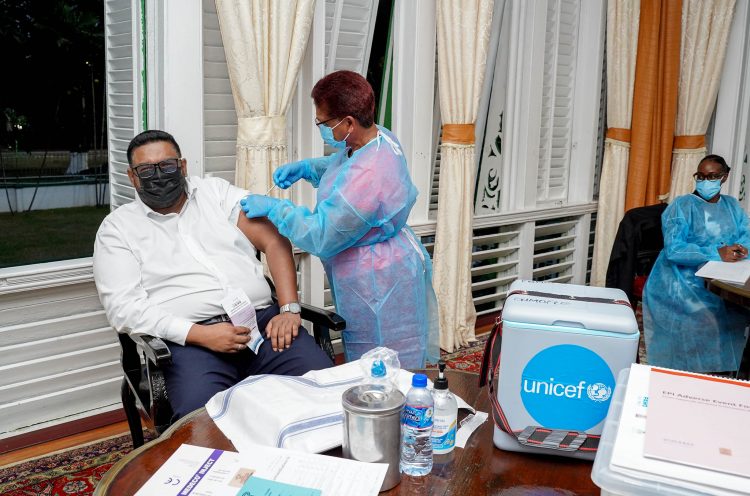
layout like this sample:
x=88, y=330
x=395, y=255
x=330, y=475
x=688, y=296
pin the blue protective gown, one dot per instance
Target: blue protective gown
x=379, y=272
x=686, y=326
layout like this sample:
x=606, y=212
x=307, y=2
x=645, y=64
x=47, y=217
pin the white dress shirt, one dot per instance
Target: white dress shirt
x=158, y=274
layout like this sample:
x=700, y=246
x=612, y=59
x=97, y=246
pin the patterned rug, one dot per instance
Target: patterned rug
x=74, y=471
x=468, y=359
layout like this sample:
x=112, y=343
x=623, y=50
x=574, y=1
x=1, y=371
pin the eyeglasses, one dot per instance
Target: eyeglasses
x=319, y=123
x=168, y=166
x=699, y=176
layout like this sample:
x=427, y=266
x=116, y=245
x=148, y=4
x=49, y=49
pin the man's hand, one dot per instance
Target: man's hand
x=282, y=329
x=733, y=253
x=222, y=338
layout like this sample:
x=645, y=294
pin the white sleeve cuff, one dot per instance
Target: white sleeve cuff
x=177, y=330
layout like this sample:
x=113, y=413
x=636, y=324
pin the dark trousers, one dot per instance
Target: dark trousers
x=197, y=373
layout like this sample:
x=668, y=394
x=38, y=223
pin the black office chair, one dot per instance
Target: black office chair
x=144, y=391
x=637, y=244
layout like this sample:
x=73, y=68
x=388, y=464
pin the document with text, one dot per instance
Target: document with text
x=699, y=420
x=197, y=471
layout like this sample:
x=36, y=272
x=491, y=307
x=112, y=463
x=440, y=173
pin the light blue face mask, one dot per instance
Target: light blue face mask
x=708, y=188
x=327, y=134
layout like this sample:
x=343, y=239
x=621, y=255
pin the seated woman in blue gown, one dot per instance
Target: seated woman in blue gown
x=686, y=326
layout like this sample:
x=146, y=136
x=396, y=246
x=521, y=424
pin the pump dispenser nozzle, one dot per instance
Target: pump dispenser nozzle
x=441, y=382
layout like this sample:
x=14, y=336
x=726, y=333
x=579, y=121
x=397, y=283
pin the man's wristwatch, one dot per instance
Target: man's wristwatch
x=292, y=307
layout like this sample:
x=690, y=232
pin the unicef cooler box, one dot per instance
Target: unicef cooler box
x=563, y=345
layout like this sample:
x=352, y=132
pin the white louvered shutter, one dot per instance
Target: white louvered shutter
x=219, y=116
x=122, y=114
x=349, y=28
x=557, y=100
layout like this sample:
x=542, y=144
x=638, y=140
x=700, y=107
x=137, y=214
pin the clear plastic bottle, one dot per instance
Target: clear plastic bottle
x=446, y=415
x=416, y=427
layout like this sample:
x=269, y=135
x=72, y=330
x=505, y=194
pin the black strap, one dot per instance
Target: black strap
x=537, y=437
x=587, y=299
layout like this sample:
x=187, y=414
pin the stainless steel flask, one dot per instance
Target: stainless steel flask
x=372, y=427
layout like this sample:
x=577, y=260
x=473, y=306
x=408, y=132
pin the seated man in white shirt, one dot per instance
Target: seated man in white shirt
x=164, y=263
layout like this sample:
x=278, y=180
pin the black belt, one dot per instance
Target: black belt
x=218, y=319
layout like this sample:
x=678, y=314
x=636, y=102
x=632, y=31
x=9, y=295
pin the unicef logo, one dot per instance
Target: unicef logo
x=599, y=392
x=567, y=387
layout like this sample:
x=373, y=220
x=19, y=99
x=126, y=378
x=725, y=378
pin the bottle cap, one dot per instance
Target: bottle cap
x=419, y=380
x=378, y=369
x=441, y=382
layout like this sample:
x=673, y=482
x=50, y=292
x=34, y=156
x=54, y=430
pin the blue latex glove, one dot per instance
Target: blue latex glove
x=288, y=174
x=257, y=205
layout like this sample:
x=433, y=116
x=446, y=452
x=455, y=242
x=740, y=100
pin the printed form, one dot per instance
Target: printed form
x=197, y=471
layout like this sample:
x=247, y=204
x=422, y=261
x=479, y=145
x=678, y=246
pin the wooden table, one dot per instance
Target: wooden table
x=478, y=469
x=739, y=295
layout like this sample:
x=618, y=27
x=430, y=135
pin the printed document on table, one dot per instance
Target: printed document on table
x=734, y=272
x=196, y=471
x=699, y=420
x=628, y=458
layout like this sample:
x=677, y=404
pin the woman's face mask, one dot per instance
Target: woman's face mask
x=327, y=134
x=162, y=190
x=708, y=188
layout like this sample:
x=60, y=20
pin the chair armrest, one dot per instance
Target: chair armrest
x=154, y=348
x=325, y=318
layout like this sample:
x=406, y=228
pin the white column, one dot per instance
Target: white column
x=414, y=33
x=523, y=105
x=733, y=100
x=586, y=103
x=306, y=142
x=179, y=70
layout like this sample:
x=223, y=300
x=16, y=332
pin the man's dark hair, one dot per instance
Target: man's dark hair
x=151, y=136
x=717, y=159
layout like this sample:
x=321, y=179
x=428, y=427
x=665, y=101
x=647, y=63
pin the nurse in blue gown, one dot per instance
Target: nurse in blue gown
x=379, y=272
x=686, y=326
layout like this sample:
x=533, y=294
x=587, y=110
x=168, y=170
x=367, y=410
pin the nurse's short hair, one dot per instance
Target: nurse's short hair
x=343, y=93
x=718, y=159
x=151, y=136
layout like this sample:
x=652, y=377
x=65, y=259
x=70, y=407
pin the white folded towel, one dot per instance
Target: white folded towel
x=300, y=413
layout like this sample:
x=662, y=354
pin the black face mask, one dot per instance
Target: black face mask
x=162, y=190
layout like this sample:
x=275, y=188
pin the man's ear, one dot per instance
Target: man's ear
x=183, y=166
x=133, y=178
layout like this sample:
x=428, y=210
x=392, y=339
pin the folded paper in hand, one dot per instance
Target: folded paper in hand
x=301, y=413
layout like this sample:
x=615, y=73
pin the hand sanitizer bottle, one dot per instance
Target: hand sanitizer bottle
x=446, y=415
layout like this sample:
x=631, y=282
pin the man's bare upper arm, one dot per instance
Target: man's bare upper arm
x=261, y=232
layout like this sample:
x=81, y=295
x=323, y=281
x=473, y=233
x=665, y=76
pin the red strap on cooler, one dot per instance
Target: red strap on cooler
x=538, y=437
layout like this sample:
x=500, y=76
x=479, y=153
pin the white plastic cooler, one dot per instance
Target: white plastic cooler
x=563, y=346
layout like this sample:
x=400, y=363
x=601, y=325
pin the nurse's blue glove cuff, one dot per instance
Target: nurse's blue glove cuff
x=257, y=205
x=288, y=174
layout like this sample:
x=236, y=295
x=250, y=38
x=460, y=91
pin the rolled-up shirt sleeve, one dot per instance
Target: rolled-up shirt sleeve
x=117, y=274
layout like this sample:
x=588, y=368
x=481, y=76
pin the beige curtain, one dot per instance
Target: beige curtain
x=463, y=32
x=622, y=44
x=264, y=43
x=705, y=30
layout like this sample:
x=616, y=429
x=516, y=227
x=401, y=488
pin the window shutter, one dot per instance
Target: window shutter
x=557, y=99
x=122, y=115
x=349, y=28
x=219, y=115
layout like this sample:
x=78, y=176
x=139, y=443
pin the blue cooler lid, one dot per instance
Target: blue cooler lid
x=528, y=303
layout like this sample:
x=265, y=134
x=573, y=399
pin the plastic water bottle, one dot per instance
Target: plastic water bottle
x=416, y=427
x=446, y=415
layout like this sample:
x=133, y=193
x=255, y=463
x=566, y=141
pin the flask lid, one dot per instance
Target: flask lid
x=372, y=398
